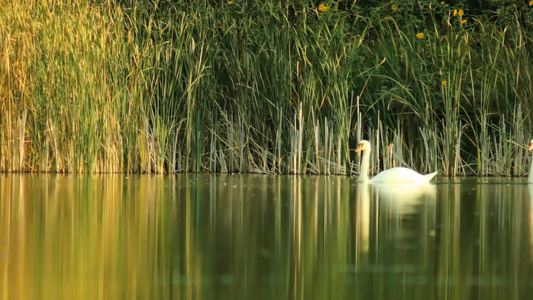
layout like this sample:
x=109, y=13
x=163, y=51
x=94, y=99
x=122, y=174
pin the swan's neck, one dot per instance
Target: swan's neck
x=363, y=172
x=530, y=178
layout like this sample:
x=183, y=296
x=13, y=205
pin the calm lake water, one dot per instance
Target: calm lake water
x=263, y=237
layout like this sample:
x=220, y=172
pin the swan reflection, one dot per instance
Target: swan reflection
x=393, y=206
x=399, y=199
x=363, y=216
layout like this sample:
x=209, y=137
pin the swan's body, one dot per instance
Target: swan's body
x=394, y=175
x=530, y=178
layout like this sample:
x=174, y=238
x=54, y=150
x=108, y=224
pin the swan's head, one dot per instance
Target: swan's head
x=363, y=146
x=531, y=145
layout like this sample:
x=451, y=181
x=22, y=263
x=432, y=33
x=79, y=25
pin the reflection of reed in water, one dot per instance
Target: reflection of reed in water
x=92, y=237
x=319, y=229
x=259, y=237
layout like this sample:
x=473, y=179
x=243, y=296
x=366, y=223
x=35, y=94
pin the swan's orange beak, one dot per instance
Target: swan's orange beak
x=531, y=146
x=360, y=148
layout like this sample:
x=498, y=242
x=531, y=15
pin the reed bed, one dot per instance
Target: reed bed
x=264, y=86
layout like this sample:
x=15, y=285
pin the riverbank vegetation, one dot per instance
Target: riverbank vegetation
x=267, y=86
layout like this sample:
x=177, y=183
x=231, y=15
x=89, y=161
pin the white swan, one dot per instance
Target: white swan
x=394, y=175
x=530, y=178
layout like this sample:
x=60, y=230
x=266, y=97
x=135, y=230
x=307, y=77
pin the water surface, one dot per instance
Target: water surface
x=263, y=237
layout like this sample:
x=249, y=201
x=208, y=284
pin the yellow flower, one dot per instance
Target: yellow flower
x=530, y=3
x=419, y=35
x=230, y=2
x=455, y=12
x=394, y=7
x=463, y=21
x=460, y=13
x=323, y=8
x=442, y=2
x=444, y=82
